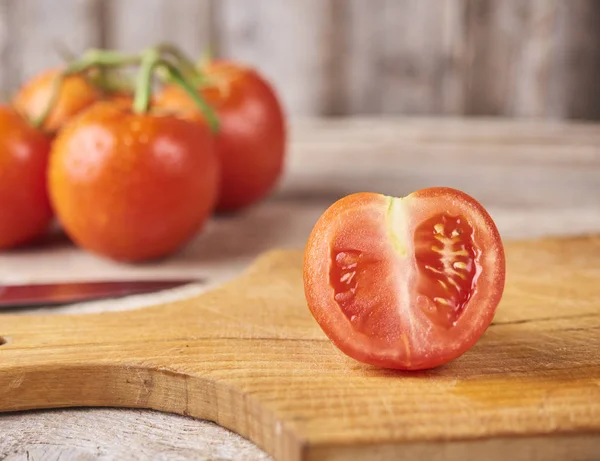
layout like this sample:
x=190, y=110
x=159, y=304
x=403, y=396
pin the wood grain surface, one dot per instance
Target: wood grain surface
x=536, y=58
x=250, y=357
x=536, y=178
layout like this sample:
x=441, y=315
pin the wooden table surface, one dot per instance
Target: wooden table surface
x=536, y=178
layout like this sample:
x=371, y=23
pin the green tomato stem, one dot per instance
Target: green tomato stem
x=111, y=82
x=101, y=58
x=205, y=108
x=184, y=63
x=91, y=59
x=143, y=87
x=152, y=61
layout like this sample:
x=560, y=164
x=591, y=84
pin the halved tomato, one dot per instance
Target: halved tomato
x=408, y=283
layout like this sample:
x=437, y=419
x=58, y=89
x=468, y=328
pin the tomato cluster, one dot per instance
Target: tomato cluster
x=132, y=172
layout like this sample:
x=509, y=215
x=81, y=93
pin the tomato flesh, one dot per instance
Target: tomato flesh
x=407, y=283
x=448, y=264
x=352, y=270
x=343, y=276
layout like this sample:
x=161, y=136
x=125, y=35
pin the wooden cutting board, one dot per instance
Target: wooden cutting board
x=250, y=357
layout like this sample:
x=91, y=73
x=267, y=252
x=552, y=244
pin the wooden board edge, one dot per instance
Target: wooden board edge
x=145, y=386
x=563, y=446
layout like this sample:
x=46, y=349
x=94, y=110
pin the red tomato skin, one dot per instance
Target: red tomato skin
x=132, y=187
x=409, y=341
x=252, y=138
x=76, y=94
x=25, y=211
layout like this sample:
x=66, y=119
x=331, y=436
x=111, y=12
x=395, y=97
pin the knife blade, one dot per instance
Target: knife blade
x=53, y=294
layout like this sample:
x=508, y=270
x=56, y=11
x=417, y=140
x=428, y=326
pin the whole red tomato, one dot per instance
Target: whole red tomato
x=252, y=136
x=25, y=211
x=132, y=187
x=76, y=94
x=407, y=283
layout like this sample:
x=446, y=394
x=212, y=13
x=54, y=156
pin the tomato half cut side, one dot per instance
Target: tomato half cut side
x=408, y=283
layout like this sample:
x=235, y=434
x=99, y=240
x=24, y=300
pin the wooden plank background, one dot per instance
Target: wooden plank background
x=530, y=58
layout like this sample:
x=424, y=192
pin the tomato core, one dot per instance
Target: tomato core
x=448, y=264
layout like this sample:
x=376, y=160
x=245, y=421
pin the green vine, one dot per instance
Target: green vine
x=151, y=61
x=181, y=72
x=91, y=59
